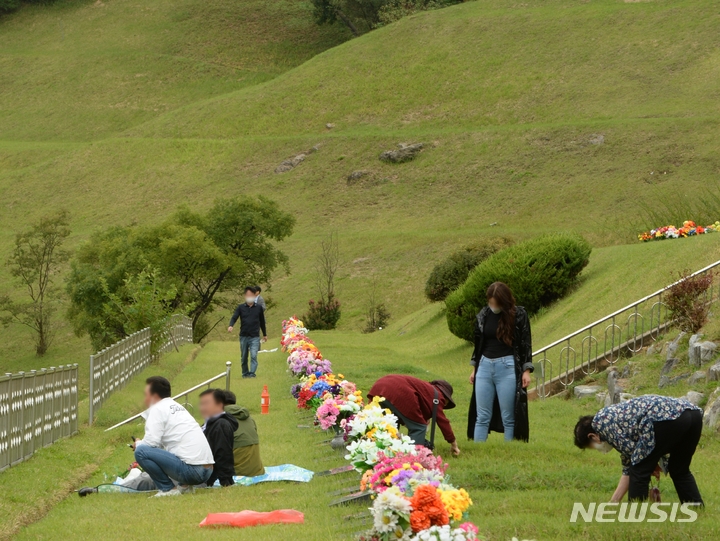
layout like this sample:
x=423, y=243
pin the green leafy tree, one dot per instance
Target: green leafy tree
x=35, y=261
x=143, y=301
x=203, y=256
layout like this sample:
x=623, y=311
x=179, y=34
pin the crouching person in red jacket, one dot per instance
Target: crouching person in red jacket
x=411, y=400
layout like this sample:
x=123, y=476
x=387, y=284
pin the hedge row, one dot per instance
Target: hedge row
x=538, y=271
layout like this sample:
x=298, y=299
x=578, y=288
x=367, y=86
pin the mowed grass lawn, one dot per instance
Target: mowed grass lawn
x=526, y=491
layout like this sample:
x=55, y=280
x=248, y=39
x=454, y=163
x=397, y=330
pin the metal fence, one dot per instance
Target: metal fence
x=37, y=408
x=112, y=368
x=603, y=342
x=185, y=394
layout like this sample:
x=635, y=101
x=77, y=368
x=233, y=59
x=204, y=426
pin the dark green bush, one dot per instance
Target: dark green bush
x=452, y=273
x=322, y=315
x=538, y=271
x=6, y=6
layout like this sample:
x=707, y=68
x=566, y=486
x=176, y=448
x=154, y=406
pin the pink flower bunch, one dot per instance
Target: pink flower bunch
x=387, y=469
x=303, y=363
x=327, y=414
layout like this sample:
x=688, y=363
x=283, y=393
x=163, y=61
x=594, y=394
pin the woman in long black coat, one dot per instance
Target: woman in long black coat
x=502, y=364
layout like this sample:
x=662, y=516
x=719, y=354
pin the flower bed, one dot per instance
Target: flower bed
x=412, y=498
x=688, y=229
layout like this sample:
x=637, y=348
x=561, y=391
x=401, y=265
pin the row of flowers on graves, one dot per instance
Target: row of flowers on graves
x=688, y=229
x=413, y=498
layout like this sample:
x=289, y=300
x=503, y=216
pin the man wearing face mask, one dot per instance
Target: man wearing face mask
x=643, y=430
x=252, y=321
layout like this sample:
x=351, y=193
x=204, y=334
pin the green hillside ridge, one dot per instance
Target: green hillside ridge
x=510, y=100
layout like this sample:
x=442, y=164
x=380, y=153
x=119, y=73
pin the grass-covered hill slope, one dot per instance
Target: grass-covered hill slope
x=540, y=116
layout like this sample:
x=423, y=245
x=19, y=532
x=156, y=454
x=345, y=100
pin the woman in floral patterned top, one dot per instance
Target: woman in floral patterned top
x=643, y=430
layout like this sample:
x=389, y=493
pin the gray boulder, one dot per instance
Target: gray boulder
x=584, y=391
x=673, y=346
x=614, y=389
x=697, y=377
x=404, y=153
x=353, y=177
x=713, y=373
x=694, y=349
x=707, y=351
x=694, y=397
x=666, y=381
x=668, y=366
x=711, y=418
x=601, y=397
x=624, y=397
x=291, y=163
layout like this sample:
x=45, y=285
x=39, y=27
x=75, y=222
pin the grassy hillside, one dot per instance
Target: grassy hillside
x=537, y=116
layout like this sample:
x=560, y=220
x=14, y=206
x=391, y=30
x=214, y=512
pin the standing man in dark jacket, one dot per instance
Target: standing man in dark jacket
x=252, y=321
x=411, y=400
x=219, y=429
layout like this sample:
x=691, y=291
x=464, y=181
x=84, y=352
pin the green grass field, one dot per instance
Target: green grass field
x=526, y=491
x=538, y=116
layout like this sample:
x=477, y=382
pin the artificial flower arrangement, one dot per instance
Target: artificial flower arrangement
x=413, y=500
x=688, y=229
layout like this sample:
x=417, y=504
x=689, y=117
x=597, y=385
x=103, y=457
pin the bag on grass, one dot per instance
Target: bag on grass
x=243, y=519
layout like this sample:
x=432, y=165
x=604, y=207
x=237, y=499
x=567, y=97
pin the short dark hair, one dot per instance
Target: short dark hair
x=583, y=429
x=257, y=289
x=218, y=394
x=251, y=289
x=159, y=386
x=230, y=398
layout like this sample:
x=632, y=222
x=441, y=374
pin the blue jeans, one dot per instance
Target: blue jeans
x=249, y=345
x=163, y=466
x=495, y=376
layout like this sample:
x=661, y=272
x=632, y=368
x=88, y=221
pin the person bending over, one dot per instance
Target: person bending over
x=412, y=400
x=173, y=446
x=246, y=444
x=643, y=430
x=252, y=321
x=219, y=429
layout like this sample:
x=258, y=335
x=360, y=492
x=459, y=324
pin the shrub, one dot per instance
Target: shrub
x=538, y=271
x=452, y=273
x=322, y=315
x=687, y=303
x=7, y=6
x=377, y=317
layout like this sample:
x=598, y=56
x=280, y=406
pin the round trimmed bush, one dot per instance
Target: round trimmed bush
x=538, y=271
x=452, y=273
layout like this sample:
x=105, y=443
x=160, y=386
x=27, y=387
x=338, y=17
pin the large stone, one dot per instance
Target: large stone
x=694, y=397
x=694, y=349
x=404, y=153
x=673, y=346
x=713, y=373
x=584, y=391
x=614, y=389
x=711, y=418
x=290, y=163
x=601, y=396
x=355, y=176
x=668, y=366
x=666, y=381
x=624, y=397
x=707, y=351
x=627, y=370
x=697, y=377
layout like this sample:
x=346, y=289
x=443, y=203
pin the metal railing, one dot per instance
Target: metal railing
x=185, y=394
x=603, y=342
x=112, y=368
x=37, y=408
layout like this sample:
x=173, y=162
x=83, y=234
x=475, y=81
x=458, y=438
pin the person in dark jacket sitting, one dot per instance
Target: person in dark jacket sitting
x=411, y=401
x=219, y=429
x=246, y=444
x=502, y=363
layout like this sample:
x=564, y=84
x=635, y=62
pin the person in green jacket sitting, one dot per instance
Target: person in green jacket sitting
x=246, y=444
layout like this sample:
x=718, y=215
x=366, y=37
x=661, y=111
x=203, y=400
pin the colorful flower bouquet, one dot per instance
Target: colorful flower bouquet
x=465, y=532
x=302, y=363
x=334, y=410
x=405, y=471
x=688, y=229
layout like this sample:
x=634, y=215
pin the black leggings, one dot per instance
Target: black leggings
x=679, y=438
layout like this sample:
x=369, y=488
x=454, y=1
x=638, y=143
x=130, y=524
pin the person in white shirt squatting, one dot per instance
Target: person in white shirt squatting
x=174, y=450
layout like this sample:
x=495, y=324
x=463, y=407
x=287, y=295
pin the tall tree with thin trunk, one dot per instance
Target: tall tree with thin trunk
x=35, y=261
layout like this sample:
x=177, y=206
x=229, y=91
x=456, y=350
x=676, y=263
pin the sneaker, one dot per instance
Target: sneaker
x=246, y=376
x=186, y=489
x=172, y=492
x=252, y=375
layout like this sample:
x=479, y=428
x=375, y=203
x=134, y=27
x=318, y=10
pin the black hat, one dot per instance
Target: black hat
x=447, y=390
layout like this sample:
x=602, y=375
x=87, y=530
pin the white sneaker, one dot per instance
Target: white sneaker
x=172, y=492
x=185, y=489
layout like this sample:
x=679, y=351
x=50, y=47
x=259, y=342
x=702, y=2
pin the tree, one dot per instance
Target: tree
x=206, y=257
x=143, y=302
x=35, y=261
x=687, y=300
x=325, y=313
